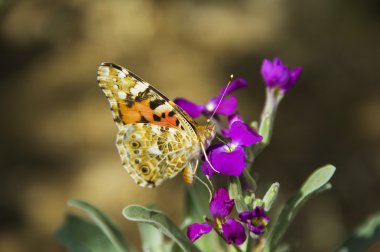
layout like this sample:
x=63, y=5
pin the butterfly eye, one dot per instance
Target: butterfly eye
x=145, y=170
x=135, y=144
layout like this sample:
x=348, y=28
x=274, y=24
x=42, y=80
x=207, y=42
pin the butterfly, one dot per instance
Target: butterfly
x=156, y=139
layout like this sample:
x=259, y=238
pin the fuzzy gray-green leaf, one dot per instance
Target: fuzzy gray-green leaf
x=161, y=222
x=363, y=236
x=79, y=235
x=104, y=223
x=317, y=182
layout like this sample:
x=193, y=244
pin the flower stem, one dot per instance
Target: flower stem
x=273, y=99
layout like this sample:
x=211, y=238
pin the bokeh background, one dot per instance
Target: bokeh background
x=57, y=134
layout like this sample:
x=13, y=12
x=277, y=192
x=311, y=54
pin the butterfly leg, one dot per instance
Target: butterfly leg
x=196, y=167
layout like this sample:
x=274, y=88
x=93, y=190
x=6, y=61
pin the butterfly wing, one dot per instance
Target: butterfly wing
x=151, y=153
x=165, y=137
x=133, y=100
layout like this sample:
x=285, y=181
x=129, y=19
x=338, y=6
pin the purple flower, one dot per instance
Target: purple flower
x=220, y=207
x=229, y=159
x=256, y=220
x=277, y=74
x=227, y=105
x=234, y=232
x=226, y=159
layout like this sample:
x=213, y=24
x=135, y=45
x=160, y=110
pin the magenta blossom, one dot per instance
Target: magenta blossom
x=229, y=159
x=256, y=220
x=227, y=104
x=277, y=74
x=220, y=207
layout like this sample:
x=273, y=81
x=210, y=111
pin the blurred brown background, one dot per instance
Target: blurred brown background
x=57, y=134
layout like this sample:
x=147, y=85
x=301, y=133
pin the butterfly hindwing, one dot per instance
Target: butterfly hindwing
x=151, y=153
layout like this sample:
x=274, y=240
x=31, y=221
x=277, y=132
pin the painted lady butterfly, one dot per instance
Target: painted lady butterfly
x=156, y=138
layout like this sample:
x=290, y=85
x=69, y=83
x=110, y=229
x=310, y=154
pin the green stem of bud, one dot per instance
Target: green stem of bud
x=273, y=99
x=235, y=192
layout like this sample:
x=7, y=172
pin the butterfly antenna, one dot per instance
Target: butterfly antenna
x=220, y=100
x=210, y=118
x=224, y=142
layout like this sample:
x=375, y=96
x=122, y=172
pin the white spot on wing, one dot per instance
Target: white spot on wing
x=138, y=88
x=105, y=71
x=154, y=150
x=156, y=130
x=115, y=86
x=161, y=109
x=172, y=131
x=122, y=95
x=121, y=75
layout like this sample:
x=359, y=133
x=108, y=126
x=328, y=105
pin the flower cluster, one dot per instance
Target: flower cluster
x=230, y=229
x=229, y=158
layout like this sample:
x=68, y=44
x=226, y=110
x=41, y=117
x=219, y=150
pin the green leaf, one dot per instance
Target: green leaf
x=363, y=236
x=318, y=179
x=316, y=183
x=151, y=238
x=161, y=222
x=271, y=196
x=79, y=235
x=105, y=224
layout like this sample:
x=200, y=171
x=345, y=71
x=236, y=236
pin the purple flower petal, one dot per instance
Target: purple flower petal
x=228, y=160
x=246, y=216
x=207, y=170
x=260, y=213
x=257, y=220
x=233, y=232
x=274, y=73
x=234, y=85
x=294, y=74
x=225, y=132
x=256, y=229
x=194, y=110
x=242, y=134
x=226, y=107
x=221, y=205
x=196, y=230
x=233, y=118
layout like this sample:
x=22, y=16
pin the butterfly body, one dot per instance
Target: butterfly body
x=156, y=139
